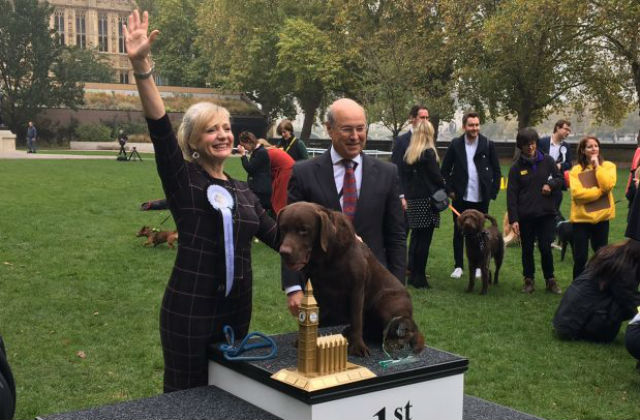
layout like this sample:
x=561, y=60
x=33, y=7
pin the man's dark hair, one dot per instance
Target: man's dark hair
x=470, y=114
x=247, y=137
x=526, y=136
x=559, y=124
x=415, y=109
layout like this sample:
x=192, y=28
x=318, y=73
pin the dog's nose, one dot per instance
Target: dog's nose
x=285, y=250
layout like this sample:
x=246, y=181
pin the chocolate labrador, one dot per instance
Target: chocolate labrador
x=482, y=243
x=349, y=283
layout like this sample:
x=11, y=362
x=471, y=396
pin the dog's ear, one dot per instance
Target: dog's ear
x=417, y=341
x=327, y=229
x=279, y=215
x=344, y=231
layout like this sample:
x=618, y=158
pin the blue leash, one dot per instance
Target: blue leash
x=232, y=353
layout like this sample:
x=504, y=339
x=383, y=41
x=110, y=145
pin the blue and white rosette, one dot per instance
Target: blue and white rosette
x=222, y=201
x=563, y=152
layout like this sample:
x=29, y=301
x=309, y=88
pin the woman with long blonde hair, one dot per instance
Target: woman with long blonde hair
x=421, y=175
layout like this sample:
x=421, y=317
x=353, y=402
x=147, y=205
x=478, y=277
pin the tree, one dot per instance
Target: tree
x=176, y=53
x=33, y=69
x=240, y=38
x=309, y=60
x=404, y=55
x=617, y=26
x=87, y=65
x=532, y=58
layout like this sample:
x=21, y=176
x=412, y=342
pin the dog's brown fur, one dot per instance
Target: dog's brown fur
x=157, y=237
x=481, y=244
x=351, y=286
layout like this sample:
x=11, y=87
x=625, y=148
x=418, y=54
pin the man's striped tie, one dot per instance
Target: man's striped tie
x=349, y=189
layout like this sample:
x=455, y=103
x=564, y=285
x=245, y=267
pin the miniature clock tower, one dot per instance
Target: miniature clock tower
x=307, y=332
x=322, y=361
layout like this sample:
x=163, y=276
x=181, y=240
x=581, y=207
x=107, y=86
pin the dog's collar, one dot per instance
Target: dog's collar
x=482, y=238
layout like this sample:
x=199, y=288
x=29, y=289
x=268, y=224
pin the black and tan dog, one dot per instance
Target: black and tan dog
x=482, y=243
x=156, y=237
x=349, y=283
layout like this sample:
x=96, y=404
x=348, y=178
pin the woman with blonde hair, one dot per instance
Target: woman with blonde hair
x=591, y=181
x=216, y=217
x=421, y=175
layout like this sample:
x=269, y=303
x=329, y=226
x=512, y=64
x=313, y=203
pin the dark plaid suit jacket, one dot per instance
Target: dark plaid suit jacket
x=194, y=308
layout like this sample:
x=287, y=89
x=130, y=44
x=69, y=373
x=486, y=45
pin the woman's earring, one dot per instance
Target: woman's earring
x=195, y=155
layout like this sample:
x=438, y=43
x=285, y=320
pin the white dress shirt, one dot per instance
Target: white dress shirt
x=339, y=170
x=473, y=186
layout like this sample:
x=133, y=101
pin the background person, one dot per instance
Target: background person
x=634, y=176
x=632, y=336
x=471, y=172
x=197, y=301
x=290, y=143
x=420, y=173
x=417, y=114
x=603, y=296
x=556, y=146
x=281, y=168
x=122, y=140
x=377, y=217
x=32, y=136
x=605, y=293
x=592, y=180
x=532, y=179
x=258, y=167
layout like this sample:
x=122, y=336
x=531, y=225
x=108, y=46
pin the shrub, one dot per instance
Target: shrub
x=93, y=132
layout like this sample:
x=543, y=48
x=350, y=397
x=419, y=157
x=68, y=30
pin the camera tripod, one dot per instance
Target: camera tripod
x=133, y=155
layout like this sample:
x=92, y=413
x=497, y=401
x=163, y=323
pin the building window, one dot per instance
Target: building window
x=103, y=45
x=58, y=20
x=124, y=77
x=81, y=30
x=121, y=47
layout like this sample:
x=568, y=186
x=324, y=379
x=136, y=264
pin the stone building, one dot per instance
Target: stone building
x=95, y=24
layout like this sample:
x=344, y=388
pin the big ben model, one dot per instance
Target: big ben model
x=307, y=332
x=322, y=361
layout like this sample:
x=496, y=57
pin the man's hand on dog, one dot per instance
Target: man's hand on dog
x=546, y=189
x=294, y=299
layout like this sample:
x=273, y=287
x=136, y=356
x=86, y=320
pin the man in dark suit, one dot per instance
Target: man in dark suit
x=378, y=217
x=471, y=172
x=556, y=147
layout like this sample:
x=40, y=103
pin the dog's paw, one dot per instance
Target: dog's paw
x=358, y=348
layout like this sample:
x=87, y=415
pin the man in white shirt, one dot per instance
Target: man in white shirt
x=376, y=211
x=556, y=147
x=471, y=172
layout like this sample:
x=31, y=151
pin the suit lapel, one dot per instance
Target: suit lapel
x=462, y=152
x=325, y=180
x=367, y=188
x=482, y=145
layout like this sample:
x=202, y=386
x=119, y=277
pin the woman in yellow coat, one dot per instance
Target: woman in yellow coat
x=592, y=205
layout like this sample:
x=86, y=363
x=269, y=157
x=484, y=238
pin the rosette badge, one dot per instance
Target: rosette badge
x=222, y=201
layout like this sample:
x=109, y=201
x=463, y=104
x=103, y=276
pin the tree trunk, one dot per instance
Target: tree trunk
x=435, y=121
x=309, y=108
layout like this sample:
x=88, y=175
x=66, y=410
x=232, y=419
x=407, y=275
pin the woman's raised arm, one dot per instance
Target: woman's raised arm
x=138, y=43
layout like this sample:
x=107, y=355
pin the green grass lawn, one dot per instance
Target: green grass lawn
x=74, y=278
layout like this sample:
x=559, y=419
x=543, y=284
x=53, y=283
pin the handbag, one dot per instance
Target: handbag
x=440, y=200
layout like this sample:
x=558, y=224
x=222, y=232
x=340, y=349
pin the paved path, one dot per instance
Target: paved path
x=24, y=155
